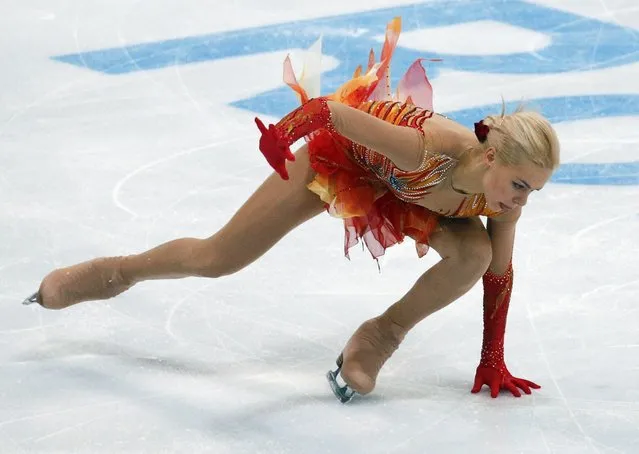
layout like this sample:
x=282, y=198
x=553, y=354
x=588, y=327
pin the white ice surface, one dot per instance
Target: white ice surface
x=95, y=165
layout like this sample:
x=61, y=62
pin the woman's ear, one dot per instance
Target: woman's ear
x=490, y=155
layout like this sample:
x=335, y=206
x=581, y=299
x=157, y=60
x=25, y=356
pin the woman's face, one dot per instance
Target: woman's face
x=507, y=187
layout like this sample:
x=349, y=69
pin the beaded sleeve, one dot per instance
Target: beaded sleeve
x=497, y=290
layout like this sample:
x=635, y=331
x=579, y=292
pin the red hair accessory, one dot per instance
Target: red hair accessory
x=481, y=131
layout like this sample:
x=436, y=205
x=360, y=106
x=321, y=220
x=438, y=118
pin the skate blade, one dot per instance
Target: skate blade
x=342, y=391
x=33, y=299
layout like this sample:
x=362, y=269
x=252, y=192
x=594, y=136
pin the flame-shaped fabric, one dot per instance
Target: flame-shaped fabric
x=375, y=199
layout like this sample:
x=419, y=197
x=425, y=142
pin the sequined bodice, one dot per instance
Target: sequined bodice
x=414, y=185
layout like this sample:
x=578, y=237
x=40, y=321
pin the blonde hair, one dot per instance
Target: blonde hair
x=523, y=136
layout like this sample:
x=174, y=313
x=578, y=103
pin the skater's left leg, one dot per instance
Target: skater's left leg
x=465, y=250
x=274, y=209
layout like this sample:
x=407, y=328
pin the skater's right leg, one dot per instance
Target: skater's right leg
x=273, y=210
x=465, y=249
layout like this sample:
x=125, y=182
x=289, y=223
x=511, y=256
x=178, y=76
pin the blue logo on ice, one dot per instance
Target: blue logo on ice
x=577, y=44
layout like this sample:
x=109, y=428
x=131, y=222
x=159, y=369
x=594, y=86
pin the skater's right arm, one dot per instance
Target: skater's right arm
x=403, y=145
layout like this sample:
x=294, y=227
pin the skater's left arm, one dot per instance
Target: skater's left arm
x=501, y=230
x=498, y=283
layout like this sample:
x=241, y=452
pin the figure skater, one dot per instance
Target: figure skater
x=390, y=168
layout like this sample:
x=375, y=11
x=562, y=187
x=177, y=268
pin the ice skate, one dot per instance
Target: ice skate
x=97, y=279
x=363, y=357
x=340, y=388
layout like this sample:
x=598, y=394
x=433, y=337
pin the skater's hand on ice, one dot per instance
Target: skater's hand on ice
x=274, y=148
x=498, y=379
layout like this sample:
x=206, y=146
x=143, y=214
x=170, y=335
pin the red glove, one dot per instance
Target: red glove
x=499, y=378
x=492, y=369
x=274, y=148
x=276, y=139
